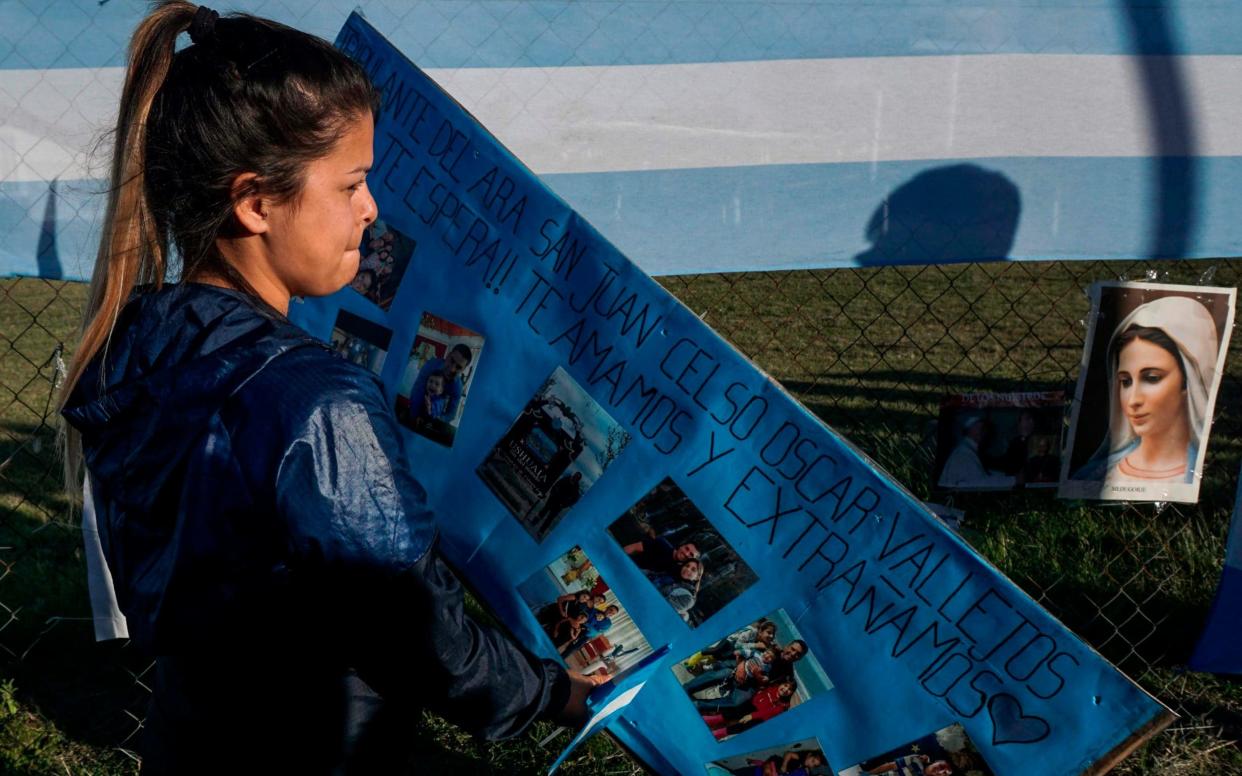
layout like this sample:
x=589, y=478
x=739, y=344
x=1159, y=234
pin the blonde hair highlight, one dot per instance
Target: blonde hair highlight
x=131, y=249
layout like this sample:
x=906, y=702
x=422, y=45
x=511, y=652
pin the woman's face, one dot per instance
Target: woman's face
x=312, y=242
x=690, y=571
x=1149, y=387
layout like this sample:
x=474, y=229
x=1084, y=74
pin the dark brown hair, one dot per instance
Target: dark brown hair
x=247, y=96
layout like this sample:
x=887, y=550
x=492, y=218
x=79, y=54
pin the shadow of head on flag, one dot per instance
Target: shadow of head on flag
x=957, y=213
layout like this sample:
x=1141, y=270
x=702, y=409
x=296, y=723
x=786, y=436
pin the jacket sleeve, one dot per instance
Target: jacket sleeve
x=358, y=526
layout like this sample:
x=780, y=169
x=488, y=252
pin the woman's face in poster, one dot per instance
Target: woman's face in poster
x=1150, y=389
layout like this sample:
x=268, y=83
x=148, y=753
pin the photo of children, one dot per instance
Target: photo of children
x=585, y=621
x=752, y=675
x=999, y=441
x=552, y=454
x=385, y=256
x=804, y=758
x=947, y=752
x=1146, y=394
x=683, y=555
x=432, y=392
x=360, y=341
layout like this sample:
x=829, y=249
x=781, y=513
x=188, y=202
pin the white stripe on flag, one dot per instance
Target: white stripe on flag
x=645, y=117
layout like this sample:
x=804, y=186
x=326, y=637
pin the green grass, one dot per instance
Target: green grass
x=870, y=351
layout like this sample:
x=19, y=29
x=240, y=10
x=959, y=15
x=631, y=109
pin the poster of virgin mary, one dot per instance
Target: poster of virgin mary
x=1146, y=391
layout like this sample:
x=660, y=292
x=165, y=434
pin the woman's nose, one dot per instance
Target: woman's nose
x=370, y=210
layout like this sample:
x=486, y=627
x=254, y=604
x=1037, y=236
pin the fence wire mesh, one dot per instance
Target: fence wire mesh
x=871, y=351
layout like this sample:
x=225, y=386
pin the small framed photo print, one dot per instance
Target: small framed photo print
x=555, y=450
x=947, y=752
x=385, y=256
x=588, y=625
x=756, y=673
x=999, y=441
x=360, y=341
x=678, y=549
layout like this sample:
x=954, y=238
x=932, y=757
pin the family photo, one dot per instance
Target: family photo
x=360, y=341
x=947, y=752
x=752, y=675
x=803, y=758
x=683, y=554
x=385, y=256
x=580, y=614
x=1146, y=391
x=556, y=449
x=442, y=364
x=999, y=441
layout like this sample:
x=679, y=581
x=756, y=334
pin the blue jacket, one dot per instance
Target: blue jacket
x=265, y=535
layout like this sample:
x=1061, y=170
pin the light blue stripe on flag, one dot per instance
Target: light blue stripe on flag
x=448, y=34
x=806, y=216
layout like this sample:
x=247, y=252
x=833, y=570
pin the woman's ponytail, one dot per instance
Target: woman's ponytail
x=131, y=249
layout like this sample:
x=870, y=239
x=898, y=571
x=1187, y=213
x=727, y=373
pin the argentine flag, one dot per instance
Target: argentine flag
x=746, y=134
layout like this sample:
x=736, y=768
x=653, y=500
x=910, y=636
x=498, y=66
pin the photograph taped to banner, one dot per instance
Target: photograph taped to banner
x=1146, y=391
x=360, y=341
x=552, y=454
x=947, y=752
x=437, y=379
x=587, y=623
x=386, y=254
x=754, y=674
x=999, y=441
x=803, y=758
x=681, y=553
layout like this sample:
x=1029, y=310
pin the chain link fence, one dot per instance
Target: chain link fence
x=871, y=351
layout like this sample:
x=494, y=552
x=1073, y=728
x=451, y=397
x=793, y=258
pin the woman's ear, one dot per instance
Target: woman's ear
x=249, y=206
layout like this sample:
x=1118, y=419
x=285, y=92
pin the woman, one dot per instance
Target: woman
x=1161, y=366
x=255, y=505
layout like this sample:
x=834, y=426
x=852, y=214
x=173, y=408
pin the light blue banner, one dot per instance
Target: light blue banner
x=605, y=441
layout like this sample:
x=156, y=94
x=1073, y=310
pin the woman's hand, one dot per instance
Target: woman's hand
x=575, y=713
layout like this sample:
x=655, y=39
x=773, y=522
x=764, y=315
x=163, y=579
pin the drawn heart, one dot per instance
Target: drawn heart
x=1011, y=726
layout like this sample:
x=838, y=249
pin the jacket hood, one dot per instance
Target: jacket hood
x=177, y=354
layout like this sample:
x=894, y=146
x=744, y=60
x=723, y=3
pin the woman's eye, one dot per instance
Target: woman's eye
x=1153, y=377
x=1125, y=382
